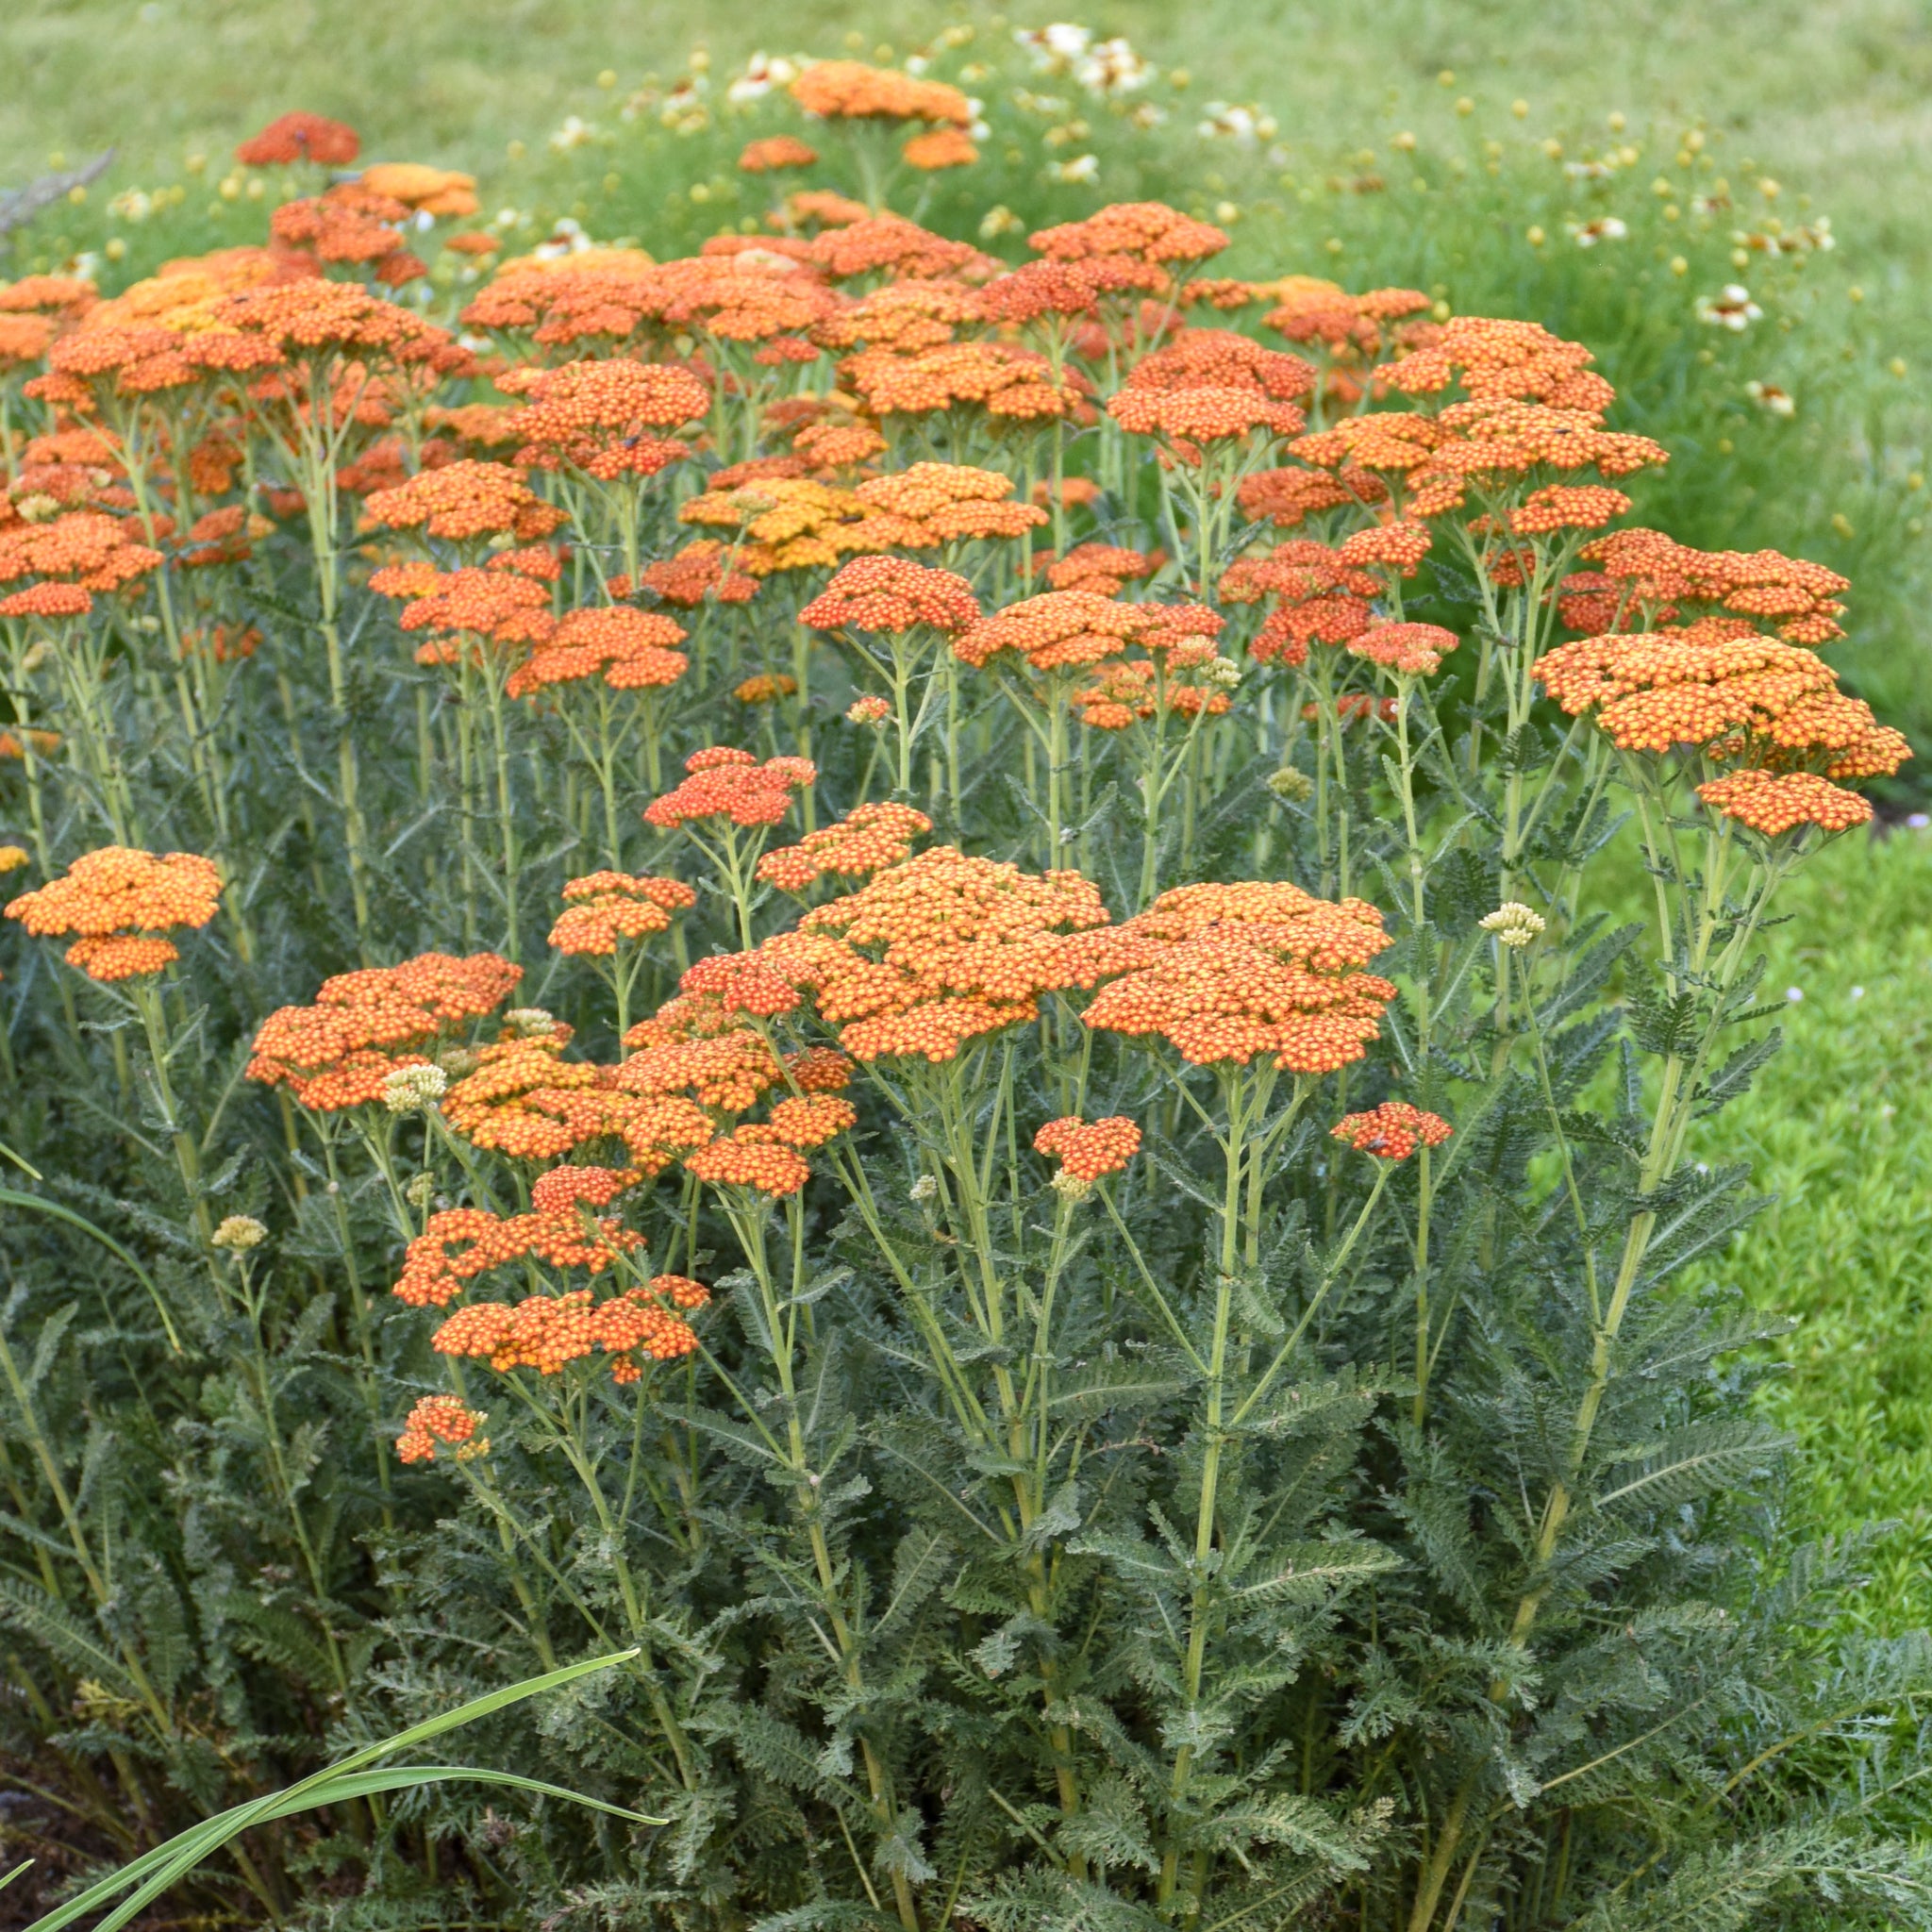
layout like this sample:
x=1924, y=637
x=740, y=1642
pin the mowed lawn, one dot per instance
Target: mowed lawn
x=1836, y=99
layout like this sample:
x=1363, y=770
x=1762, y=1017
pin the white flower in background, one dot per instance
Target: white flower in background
x=1146, y=114
x=1112, y=67
x=574, y=132
x=566, y=238
x=999, y=221
x=1768, y=396
x=1229, y=121
x=763, y=72
x=1605, y=228
x=131, y=205
x=1081, y=168
x=1734, y=310
x=1591, y=171
x=1053, y=48
x=1514, y=924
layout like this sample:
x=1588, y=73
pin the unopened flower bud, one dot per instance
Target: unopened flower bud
x=1514, y=924
x=1070, y=1187
x=1221, y=673
x=1295, y=786
x=867, y=710
x=239, y=1233
x=409, y=1089
x=421, y=1192
x=923, y=1189
x=530, y=1021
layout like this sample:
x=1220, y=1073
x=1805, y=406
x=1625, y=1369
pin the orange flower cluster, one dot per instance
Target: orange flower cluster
x=1070, y=630
x=548, y=1332
x=731, y=784
x=463, y=502
x=366, y=1025
x=1221, y=359
x=426, y=189
x=1645, y=576
x=867, y=840
x=776, y=151
x=904, y=317
x=461, y=1244
x=941, y=148
x=70, y=559
x=349, y=224
x=892, y=593
x=938, y=951
x=1010, y=384
x=298, y=136
x=603, y=907
x=1186, y=418
x=889, y=244
x=116, y=901
x=1319, y=314
x=1148, y=230
x=1750, y=697
x=441, y=1419
x=795, y=523
x=1088, y=1149
x=1036, y=291
x=597, y=417
x=1409, y=650
x=1127, y=691
x=952, y=501
x=1231, y=974
x=1774, y=802
x=700, y=570
x=632, y=650
x=765, y=688
x=1497, y=360
x=1103, y=569
x=849, y=90
x=1288, y=498
x=1393, y=1131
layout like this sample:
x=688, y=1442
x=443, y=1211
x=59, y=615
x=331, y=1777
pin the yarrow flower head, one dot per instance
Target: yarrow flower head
x=1393, y=1131
x=236, y=1234
x=728, y=783
x=891, y=594
x=1774, y=802
x=867, y=840
x=603, y=908
x=412, y=1090
x=1514, y=924
x=1087, y=1150
x=119, y=902
x=445, y=1421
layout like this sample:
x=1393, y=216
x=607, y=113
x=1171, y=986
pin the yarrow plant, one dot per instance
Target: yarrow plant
x=1067, y=1227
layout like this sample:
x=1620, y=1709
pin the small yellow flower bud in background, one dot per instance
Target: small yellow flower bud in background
x=239, y=1233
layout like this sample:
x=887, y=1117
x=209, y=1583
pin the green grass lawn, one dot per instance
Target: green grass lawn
x=1839, y=1129
x=1834, y=100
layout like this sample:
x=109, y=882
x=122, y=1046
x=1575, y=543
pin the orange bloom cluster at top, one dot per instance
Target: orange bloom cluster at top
x=368, y=1024
x=596, y=417
x=726, y=783
x=1149, y=230
x=603, y=907
x=1231, y=974
x=1088, y=1149
x=891, y=594
x=938, y=951
x=889, y=244
x=465, y=501
x=795, y=523
x=1774, y=802
x=349, y=223
x=1393, y=1131
x=1750, y=697
x=1642, y=576
x=441, y=1419
x=1319, y=314
x=117, y=901
x=867, y=840
x=1036, y=291
x=71, y=557
x=632, y=650
x=850, y=90
x=300, y=138
x=1072, y=630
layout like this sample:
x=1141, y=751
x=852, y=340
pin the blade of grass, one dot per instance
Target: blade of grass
x=9, y=1198
x=153, y=1872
